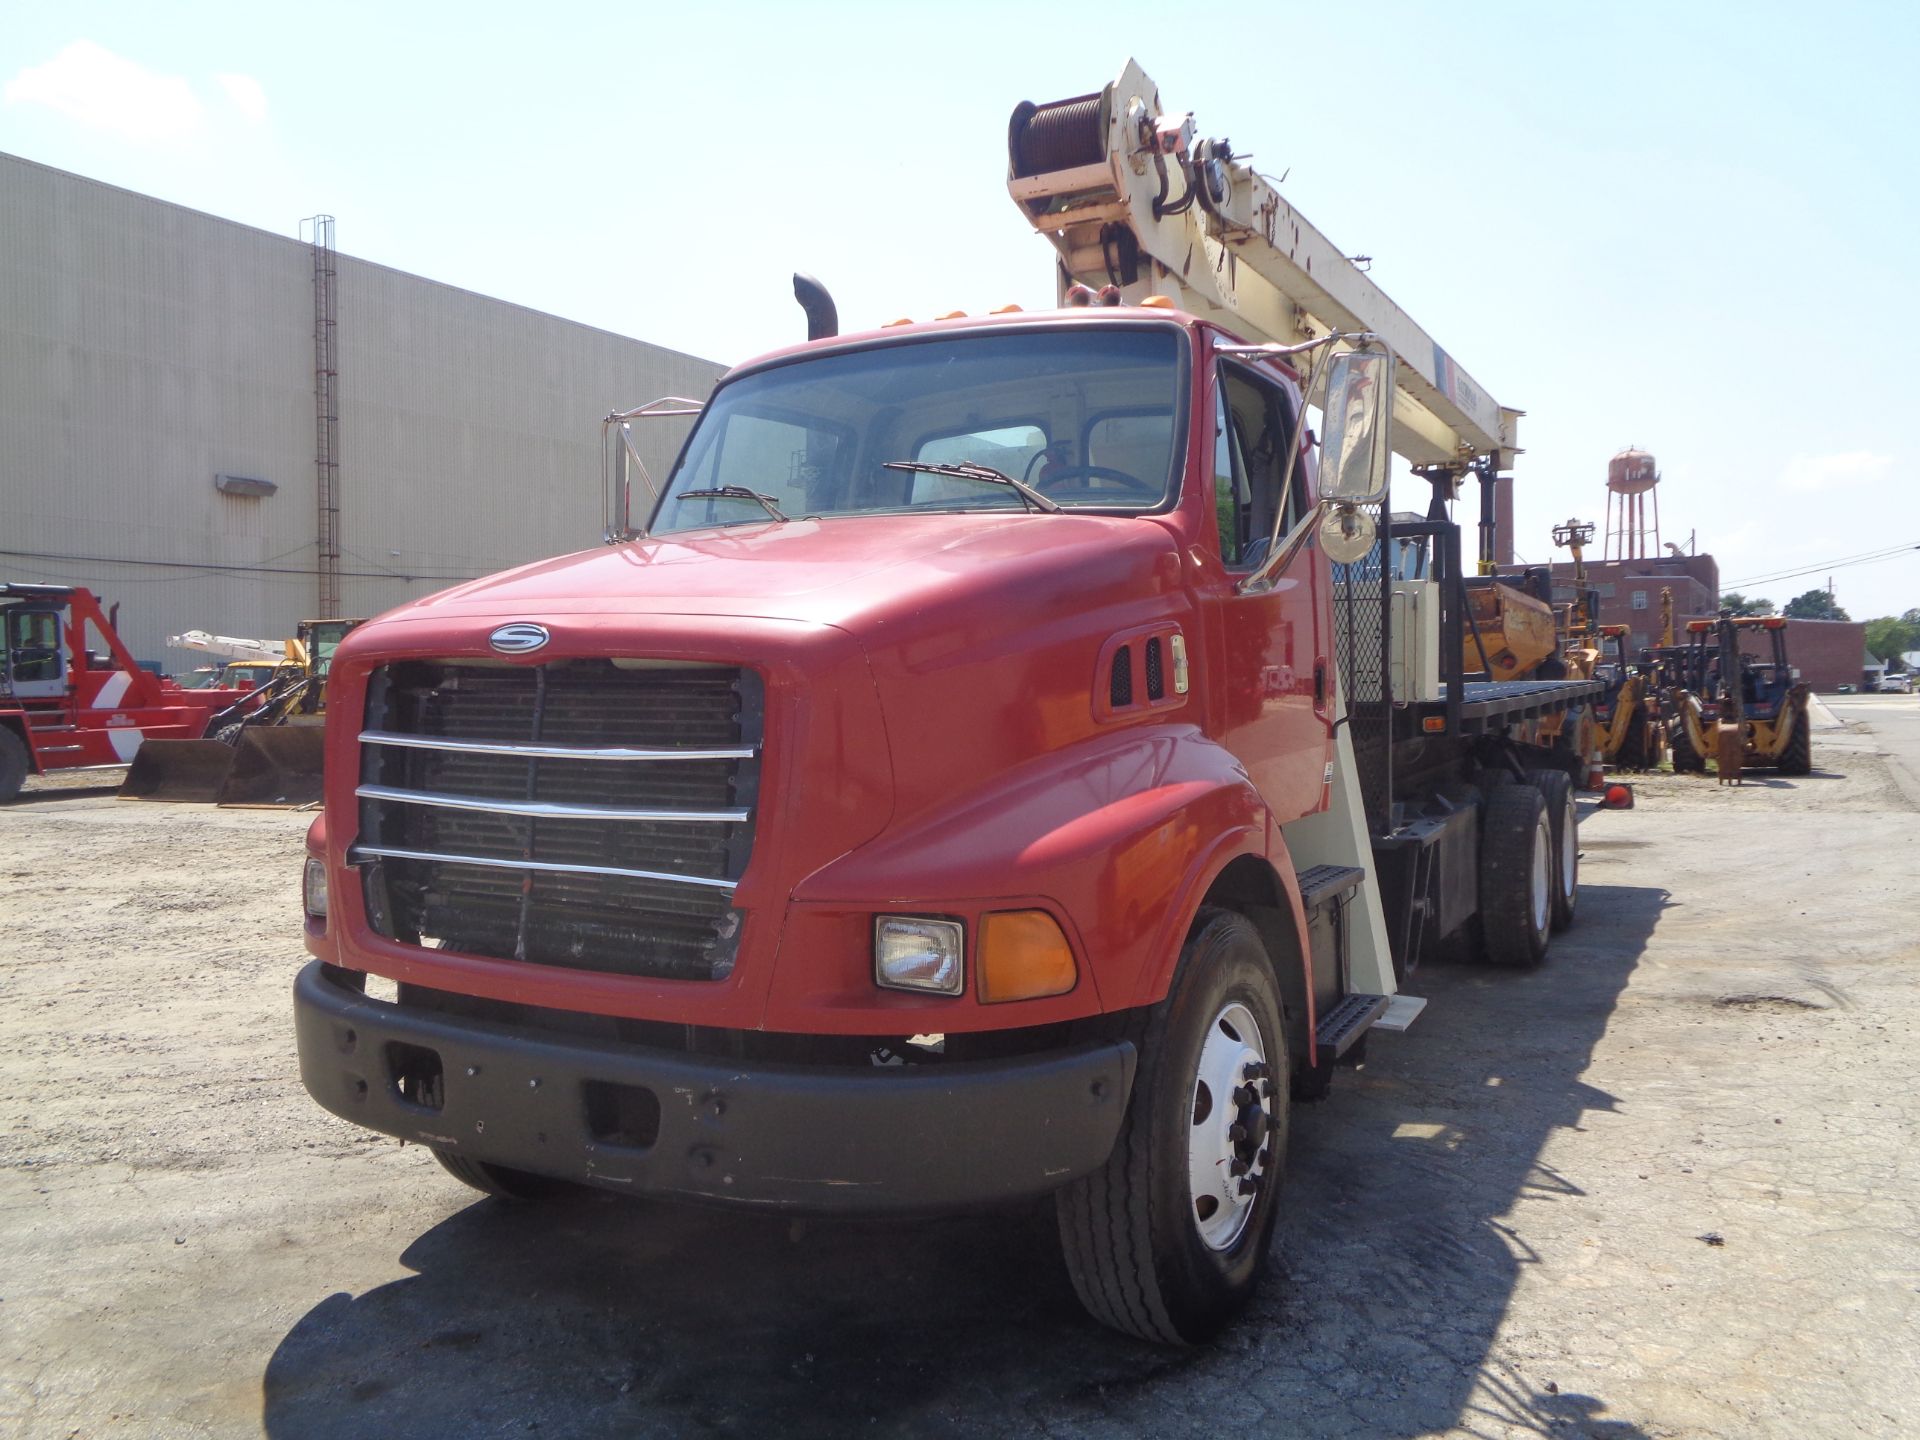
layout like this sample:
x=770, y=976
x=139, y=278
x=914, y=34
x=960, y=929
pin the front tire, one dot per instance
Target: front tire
x=500, y=1181
x=1797, y=757
x=1686, y=759
x=15, y=765
x=1167, y=1240
x=1516, y=876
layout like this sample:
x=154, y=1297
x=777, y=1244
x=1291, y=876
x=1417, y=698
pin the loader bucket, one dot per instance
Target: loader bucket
x=184, y=770
x=275, y=765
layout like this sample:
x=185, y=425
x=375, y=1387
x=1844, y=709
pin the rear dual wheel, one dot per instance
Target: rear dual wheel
x=1516, y=875
x=1562, y=822
x=1167, y=1239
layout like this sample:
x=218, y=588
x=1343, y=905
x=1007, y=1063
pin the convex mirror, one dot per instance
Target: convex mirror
x=1359, y=422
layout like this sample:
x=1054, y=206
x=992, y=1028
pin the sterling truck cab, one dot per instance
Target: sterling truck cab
x=940, y=797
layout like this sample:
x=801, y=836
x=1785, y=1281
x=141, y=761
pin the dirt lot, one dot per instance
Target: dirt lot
x=1665, y=1186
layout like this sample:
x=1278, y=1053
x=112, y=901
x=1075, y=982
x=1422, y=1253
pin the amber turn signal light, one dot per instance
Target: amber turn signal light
x=1023, y=955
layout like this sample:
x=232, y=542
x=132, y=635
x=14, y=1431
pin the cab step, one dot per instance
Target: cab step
x=1321, y=884
x=1343, y=1025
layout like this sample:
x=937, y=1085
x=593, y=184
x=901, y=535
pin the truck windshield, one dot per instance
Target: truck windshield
x=1086, y=417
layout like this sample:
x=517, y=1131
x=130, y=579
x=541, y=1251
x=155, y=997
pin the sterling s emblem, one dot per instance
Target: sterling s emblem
x=518, y=638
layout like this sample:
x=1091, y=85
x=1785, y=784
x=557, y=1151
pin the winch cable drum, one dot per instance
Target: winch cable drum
x=1060, y=135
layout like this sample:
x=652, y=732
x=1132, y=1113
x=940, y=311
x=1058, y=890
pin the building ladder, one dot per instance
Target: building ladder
x=326, y=411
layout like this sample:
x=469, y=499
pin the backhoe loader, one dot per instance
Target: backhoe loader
x=264, y=749
x=1763, y=695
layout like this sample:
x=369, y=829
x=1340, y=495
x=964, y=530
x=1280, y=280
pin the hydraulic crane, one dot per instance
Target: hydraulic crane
x=1132, y=198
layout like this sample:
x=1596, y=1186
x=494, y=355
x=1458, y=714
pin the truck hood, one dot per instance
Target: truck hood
x=853, y=572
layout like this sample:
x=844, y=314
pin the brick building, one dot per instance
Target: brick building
x=1827, y=653
x=1630, y=592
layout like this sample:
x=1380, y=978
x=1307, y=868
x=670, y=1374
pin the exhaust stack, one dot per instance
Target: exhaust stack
x=822, y=319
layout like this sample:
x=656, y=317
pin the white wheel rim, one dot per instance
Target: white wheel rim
x=1229, y=1143
x=1569, y=849
x=1540, y=872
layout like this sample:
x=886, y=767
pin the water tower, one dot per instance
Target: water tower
x=1632, y=479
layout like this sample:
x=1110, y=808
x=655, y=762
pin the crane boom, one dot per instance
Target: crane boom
x=1129, y=197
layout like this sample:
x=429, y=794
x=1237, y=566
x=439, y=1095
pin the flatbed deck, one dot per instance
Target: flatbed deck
x=1486, y=704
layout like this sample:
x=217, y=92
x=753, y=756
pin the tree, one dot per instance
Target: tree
x=1888, y=638
x=1740, y=605
x=1815, y=605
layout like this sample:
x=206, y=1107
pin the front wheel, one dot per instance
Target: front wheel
x=501, y=1181
x=1797, y=757
x=1686, y=759
x=1167, y=1239
x=15, y=765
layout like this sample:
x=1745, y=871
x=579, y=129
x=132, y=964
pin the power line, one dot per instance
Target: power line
x=1870, y=558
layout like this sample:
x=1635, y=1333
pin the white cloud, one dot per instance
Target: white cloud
x=91, y=84
x=1823, y=472
x=247, y=96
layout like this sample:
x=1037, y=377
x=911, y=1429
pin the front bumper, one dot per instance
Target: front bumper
x=651, y=1121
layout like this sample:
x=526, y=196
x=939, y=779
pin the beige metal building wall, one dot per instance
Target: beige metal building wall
x=146, y=348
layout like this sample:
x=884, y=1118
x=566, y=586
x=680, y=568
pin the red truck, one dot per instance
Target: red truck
x=66, y=706
x=973, y=782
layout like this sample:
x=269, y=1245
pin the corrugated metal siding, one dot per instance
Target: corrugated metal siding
x=146, y=348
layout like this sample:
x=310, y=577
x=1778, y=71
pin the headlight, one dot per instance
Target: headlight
x=314, y=884
x=910, y=953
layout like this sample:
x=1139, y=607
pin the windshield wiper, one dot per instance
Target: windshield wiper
x=736, y=492
x=1031, y=498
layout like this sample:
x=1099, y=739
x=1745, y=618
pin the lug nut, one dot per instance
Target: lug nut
x=1249, y=1186
x=1237, y=1167
x=1237, y=1134
x=1246, y=1095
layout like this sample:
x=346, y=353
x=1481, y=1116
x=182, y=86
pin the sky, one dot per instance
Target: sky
x=1687, y=228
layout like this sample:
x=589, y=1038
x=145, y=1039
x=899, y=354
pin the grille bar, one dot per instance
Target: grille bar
x=360, y=854
x=545, y=809
x=577, y=814
x=552, y=752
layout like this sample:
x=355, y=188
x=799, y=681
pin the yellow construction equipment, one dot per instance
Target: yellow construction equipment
x=265, y=750
x=1627, y=727
x=1722, y=684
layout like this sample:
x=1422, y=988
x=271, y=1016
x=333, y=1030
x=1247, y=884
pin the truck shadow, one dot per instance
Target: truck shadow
x=599, y=1315
x=34, y=794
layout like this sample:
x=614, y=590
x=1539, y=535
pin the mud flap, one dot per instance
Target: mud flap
x=275, y=765
x=191, y=771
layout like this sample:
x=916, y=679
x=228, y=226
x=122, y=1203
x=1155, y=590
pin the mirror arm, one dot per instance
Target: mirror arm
x=1278, y=550
x=666, y=408
x=1282, y=551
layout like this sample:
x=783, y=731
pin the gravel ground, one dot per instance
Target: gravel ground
x=1665, y=1186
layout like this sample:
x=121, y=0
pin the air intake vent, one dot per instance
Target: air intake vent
x=1156, y=682
x=1120, y=684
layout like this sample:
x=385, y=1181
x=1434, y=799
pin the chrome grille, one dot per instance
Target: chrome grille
x=582, y=813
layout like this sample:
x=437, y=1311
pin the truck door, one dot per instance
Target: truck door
x=36, y=664
x=1274, y=709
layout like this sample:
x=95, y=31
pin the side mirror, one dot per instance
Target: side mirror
x=1359, y=411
